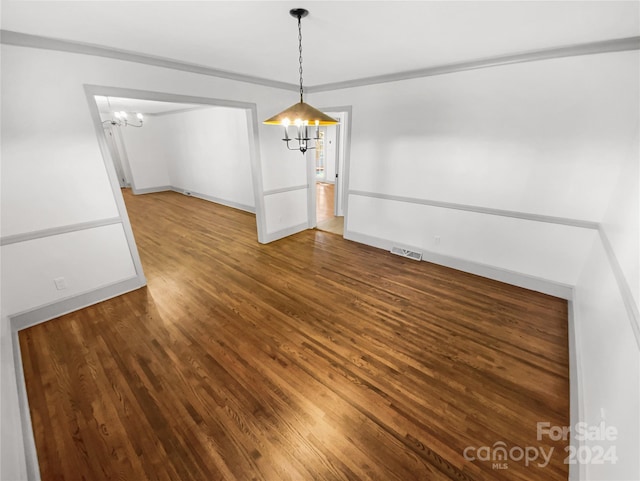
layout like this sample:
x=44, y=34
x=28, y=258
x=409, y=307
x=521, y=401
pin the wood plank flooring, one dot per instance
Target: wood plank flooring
x=325, y=201
x=311, y=358
x=325, y=209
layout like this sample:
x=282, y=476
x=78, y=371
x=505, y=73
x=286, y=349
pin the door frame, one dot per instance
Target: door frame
x=337, y=178
x=253, y=138
x=110, y=135
x=344, y=154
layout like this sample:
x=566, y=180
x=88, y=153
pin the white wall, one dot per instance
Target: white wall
x=217, y=163
x=539, y=249
x=146, y=153
x=609, y=367
x=605, y=304
x=622, y=216
x=285, y=206
x=42, y=160
x=53, y=176
x=330, y=153
x=88, y=259
x=203, y=151
x=539, y=138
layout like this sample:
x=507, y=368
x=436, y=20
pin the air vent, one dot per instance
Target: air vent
x=401, y=251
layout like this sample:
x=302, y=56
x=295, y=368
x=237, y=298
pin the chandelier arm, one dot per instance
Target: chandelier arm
x=122, y=123
x=300, y=147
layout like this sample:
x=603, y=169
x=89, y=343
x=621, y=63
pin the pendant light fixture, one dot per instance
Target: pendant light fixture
x=121, y=118
x=301, y=115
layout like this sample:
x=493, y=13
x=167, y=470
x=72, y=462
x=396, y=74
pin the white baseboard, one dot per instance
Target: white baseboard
x=64, y=306
x=151, y=190
x=199, y=195
x=274, y=236
x=576, y=398
x=28, y=440
x=538, y=284
x=217, y=200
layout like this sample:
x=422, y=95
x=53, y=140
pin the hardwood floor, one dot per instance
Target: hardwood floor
x=311, y=358
x=335, y=225
x=325, y=209
x=325, y=201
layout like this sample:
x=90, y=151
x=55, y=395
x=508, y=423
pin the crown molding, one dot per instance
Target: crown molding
x=591, y=48
x=8, y=37
x=35, y=41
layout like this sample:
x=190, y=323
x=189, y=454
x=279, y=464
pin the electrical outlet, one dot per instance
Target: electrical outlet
x=61, y=283
x=436, y=240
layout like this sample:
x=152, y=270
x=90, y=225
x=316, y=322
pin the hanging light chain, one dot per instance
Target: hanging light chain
x=300, y=51
x=301, y=116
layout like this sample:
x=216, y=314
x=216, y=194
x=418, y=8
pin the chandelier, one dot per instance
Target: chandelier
x=300, y=115
x=121, y=118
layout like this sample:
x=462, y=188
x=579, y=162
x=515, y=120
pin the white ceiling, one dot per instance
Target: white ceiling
x=116, y=104
x=342, y=40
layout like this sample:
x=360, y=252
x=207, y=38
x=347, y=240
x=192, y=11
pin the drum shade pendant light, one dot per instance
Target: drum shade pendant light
x=300, y=115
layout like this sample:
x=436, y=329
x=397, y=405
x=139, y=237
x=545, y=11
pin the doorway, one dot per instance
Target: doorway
x=328, y=179
x=109, y=146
